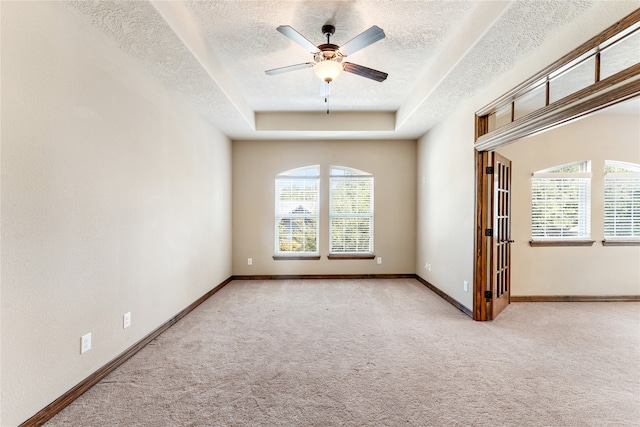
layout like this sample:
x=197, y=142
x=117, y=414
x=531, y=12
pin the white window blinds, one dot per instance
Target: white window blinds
x=622, y=201
x=350, y=211
x=560, y=203
x=297, y=211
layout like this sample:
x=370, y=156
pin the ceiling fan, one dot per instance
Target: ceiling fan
x=327, y=58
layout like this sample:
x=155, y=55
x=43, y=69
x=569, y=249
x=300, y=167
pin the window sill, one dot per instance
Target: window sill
x=539, y=243
x=351, y=256
x=621, y=243
x=296, y=257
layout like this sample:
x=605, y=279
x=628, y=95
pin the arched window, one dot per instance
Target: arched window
x=350, y=211
x=297, y=211
x=621, y=201
x=560, y=202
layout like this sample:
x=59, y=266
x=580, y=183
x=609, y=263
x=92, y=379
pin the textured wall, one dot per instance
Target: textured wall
x=255, y=165
x=446, y=209
x=594, y=270
x=115, y=198
x=445, y=203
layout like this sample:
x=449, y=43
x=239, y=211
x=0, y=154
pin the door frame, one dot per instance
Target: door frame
x=485, y=264
x=481, y=251
x=500, y=289
x=603, y=93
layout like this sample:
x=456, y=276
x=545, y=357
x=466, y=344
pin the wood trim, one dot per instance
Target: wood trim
x=552, y=243
x=575, y=298
x=621, y=243
x=480, y=243
x=350, y=256
x=482, y=126
x=444, y=296
x=610, y=91
x=441, y=294
x=547, y=92
x=296, y=257
x=581, y=50
x=322, y=276
x=617, y=88
x=500, y=218
x=63, y=401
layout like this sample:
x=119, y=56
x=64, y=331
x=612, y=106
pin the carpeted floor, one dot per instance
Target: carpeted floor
x=374, y=353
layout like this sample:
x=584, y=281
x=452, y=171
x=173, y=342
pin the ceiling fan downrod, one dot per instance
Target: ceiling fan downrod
x=328, y=30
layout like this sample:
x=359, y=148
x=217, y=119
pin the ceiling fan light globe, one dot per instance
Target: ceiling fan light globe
x=327, y=70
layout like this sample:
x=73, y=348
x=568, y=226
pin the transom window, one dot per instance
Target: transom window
x=560, y=202
x=350, y=211
x=621, y=201
x=297, y=211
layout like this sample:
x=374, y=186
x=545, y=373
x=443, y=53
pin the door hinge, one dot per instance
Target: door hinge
x=488, y=232
x=489, y=170
x=488, y=294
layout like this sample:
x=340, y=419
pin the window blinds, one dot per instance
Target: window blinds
x=622, y=205
x=560, y=207
x=297, y=208
x=351, y=214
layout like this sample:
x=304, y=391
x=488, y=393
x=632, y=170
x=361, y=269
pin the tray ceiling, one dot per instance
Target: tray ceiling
x=437, y=54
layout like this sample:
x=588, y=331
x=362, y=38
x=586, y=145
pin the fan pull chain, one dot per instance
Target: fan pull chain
x=326, y=100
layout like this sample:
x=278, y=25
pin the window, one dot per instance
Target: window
x=560, y=202
x=350, y=211
x=621, y=201
x=297, y=211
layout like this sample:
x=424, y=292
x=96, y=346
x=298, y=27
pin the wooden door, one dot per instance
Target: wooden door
x=500, y=270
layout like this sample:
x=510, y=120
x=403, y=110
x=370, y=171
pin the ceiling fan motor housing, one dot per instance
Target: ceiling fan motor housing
x=328, y=51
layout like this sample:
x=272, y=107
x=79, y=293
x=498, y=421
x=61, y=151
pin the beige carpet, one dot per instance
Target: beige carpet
x=374, y=353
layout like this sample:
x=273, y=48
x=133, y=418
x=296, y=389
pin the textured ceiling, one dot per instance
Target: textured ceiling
x=437, y=53
x=251, y=45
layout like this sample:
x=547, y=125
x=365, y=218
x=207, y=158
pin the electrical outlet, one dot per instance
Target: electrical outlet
x=249, y=261
x=465, y=286
x=126, y=320
x=379, y=260
x=85, y=343
x=428, y=267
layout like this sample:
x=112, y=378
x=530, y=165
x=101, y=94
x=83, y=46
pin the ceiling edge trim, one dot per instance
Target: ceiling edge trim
x=321, y=121
x=181, y=21
x=476, y=25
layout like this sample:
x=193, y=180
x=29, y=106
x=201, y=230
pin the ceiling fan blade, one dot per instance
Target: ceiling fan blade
x=288, y=68
x=362, y=40
x=325, y=89
x=369, y=73
x=288, y=31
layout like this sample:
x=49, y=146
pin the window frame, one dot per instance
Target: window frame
x=582, y=180
x=305, y=174
x=630, y=177
x=339, y=174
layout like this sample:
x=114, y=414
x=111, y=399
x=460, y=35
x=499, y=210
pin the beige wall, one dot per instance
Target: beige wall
x=595, y=270
x=445, y=200
x=115, y=198
x=255, y=165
